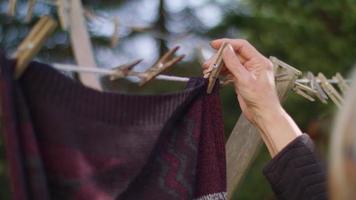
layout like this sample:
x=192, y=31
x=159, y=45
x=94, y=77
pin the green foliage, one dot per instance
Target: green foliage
x=312, y=35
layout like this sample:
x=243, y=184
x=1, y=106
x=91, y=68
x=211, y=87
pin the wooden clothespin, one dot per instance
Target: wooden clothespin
x=215, y=68
x=286, y=75
x=63, y=10
x=281, y=77
x=124, y=70
x=303, y=94
x=12, y=7
x=304, y=91
x=165, y=62
x=316, y=86
x=341, y=82
x=305, y=88
x=330, y=90
x=282, y=73
x=115, y=35
x=278, y=62
x=30, y=6
x=33, y=43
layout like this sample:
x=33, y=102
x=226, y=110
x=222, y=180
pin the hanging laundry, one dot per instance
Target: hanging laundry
x=66, y=141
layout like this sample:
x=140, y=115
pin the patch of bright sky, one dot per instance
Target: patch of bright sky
x=179, y=5
x=197, y=3
x=141, y=46
x=138, y=47
x=136, y=13
x=22, y=7
x=190, y=45
x=210, y=15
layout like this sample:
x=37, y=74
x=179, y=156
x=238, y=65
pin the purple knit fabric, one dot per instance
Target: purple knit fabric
x=66, y=141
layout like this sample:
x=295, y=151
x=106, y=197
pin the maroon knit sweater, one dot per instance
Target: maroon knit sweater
x=66, y=141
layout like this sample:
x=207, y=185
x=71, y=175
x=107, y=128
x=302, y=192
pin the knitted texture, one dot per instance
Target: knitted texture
x=66, y=141
x=296, y=172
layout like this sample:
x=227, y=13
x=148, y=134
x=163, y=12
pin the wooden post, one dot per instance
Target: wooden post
x=245, y=140
x=81, y=44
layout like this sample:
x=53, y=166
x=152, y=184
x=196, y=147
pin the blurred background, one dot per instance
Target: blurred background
x=316, y=36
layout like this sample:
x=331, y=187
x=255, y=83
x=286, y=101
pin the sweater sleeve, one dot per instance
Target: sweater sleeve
x=296, y=172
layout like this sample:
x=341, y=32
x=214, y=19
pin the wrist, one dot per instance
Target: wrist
x=278, y=128
x=268, y=114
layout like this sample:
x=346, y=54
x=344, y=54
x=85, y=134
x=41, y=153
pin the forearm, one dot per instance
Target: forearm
x=278, y=129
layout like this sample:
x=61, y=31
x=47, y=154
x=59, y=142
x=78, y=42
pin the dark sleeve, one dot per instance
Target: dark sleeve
x=296, y=172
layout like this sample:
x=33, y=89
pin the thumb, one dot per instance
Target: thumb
x=233, y=63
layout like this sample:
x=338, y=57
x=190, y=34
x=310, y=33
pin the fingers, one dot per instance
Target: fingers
x=206, y=73
x=207, y=68
x=233, y=63
x=243, y=47
x=207, y=63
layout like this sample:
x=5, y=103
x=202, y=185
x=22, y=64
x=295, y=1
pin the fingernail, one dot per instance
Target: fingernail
x=214, y=41
x=229, y=49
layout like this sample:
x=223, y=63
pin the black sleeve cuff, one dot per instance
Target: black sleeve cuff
x=296, y=172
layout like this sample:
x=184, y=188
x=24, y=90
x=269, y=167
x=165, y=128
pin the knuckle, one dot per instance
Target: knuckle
x=244, y=42
x=268, y=64
x=244, y=82
x=249, y=80
x=205, y=65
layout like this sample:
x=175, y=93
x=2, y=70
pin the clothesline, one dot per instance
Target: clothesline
x=102, y=71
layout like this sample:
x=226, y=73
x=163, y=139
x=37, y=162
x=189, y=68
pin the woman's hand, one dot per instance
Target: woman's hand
x=253, y=78
x=254, y=83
